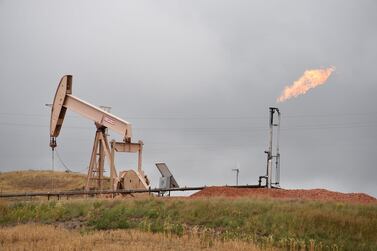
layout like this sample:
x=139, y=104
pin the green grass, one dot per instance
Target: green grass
x=293, y=224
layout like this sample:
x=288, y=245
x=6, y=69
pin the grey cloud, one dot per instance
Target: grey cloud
x=196, y=79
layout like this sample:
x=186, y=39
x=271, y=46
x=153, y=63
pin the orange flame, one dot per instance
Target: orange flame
x=310, y=80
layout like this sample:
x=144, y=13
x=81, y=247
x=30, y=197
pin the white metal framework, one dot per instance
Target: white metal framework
x=101, y=148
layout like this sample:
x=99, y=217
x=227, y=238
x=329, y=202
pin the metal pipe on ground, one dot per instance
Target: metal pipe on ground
x=113, y=192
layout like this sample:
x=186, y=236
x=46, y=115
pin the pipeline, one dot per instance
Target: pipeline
x=112, y=192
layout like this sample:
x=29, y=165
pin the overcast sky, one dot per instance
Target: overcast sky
x=195, y=79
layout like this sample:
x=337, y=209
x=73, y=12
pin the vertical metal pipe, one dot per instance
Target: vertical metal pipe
x=269, y=177
x=269, y=152
x=237, y=170
x=277, y=175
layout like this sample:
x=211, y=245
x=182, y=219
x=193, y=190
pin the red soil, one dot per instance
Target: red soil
x=301, y=194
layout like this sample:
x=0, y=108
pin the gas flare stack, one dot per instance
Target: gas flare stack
x=273, y=155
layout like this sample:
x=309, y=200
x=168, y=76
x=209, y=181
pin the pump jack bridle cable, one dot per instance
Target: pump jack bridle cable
x=62, y=162
x=52, y=145
x=52, y=167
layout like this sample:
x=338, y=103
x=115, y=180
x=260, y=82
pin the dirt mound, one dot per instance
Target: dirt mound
x=313, y=194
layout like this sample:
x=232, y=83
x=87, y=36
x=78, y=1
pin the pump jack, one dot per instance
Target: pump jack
x=101, y=149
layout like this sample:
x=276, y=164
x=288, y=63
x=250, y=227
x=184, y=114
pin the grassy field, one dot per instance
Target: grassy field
x=294, y=225
x=214, y=223
x=45, y=237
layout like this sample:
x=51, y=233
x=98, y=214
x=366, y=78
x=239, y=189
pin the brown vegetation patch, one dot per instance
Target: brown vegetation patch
x=311, y=194
x=31, y=181
x=44, y=237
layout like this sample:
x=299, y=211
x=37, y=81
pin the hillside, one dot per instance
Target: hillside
x=33, y=181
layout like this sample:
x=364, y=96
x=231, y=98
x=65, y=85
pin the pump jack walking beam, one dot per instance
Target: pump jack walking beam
x=65, y=100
